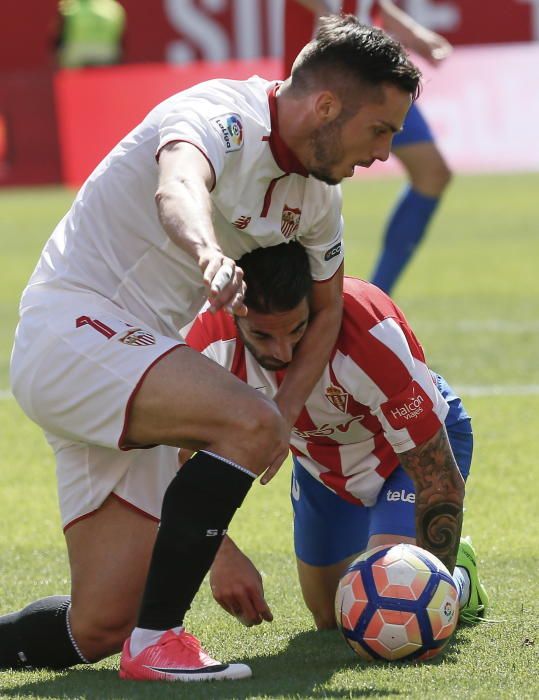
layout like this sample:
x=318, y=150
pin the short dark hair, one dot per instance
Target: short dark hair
x=345, y=50
x=278, y=278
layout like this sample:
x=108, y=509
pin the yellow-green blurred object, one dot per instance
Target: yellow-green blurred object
x=91, y=34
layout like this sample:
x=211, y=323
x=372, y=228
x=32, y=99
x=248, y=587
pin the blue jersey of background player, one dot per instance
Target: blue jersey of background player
x=372, y=463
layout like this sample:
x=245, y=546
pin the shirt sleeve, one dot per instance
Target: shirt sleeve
x=214, y=335
x=412, y=410
x=198, y=338
x=323, y=240
x=413, y=415
x=385, y=370
x=207, y=126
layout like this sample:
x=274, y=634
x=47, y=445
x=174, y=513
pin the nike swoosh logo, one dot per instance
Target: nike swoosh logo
x=180, y=671
x=264, y=386
x=295, y=489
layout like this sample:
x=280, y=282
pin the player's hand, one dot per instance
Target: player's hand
x=431, y=46
x=237, y=586
x=282, y=453
x=274, y=467
x=183, y=455
x=281, y=450
x=224, y=280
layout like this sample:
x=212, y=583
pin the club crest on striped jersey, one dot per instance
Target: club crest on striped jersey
x=230, y=128
x=338, y=398
x=137, y=337
x=290, y=221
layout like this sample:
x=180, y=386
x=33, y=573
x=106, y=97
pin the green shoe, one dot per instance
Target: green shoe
x=474, y=610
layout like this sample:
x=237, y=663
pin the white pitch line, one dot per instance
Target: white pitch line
x=463, y=390
x=498, y=390
x=492, y=325
x=498, y=325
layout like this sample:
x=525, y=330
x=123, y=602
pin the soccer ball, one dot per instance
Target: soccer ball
x=397, y=602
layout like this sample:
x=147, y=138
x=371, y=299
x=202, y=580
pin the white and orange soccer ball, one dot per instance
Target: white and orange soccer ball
x=397, y=602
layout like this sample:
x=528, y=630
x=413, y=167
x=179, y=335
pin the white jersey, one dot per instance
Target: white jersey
x=112, y=244
x=376, y=396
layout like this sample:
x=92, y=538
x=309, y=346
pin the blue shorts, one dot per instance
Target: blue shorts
x=416, y=129
x=327, y=529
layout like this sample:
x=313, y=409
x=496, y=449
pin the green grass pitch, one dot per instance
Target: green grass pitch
x=472, y=296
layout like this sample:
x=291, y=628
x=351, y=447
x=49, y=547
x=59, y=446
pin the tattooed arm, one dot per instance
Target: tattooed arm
x=439, y=489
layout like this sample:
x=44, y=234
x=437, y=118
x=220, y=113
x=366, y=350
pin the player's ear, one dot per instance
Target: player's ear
x=327, y=107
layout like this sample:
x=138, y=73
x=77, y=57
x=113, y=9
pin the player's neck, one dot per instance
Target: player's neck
x=293, y=118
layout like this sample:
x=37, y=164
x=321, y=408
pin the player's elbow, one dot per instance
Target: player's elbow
x=161, y=197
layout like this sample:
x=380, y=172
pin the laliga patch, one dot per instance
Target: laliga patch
x=449, y=610
x=333, y=252
x=410, y=405
x=137, y=337
x=230, y=128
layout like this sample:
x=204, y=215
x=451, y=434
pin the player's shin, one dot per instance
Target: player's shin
x=197, y=509
x=39, y=636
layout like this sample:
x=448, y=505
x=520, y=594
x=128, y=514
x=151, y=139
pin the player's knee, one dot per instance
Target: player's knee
x=263, y=432
x=433, y=179
x=441, y=175
x=98, y=638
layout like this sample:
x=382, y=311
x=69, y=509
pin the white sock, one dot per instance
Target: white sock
x=142, y=638
x=462, y=581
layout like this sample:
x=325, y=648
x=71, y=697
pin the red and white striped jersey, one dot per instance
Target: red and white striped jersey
x=375, y=398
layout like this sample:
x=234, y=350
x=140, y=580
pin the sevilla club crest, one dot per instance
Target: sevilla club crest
x=290, y=221
x=137, y=336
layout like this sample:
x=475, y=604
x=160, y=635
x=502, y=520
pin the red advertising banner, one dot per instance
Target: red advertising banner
x=28, y=136
x=96, y=107
x=180, y=32
x=480, y=131
x=214, y=30
x=477, y=21
x=26, y=34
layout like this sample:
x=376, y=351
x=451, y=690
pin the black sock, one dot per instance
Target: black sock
x=197, y=509
x=39, y=636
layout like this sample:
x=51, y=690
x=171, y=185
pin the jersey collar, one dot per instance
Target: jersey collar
x=283, y=156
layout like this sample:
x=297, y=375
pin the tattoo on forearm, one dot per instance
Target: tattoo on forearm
x=440, y=523
x=439, y=497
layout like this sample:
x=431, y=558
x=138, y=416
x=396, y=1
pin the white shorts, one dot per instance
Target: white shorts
x=88, y=474
x=77, y=362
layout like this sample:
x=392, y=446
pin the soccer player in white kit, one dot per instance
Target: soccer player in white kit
x=427, y=170
x=99, y=364
x=377, y=449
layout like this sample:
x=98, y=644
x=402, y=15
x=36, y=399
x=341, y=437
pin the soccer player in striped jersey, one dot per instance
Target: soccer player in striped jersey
x=380, y=451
